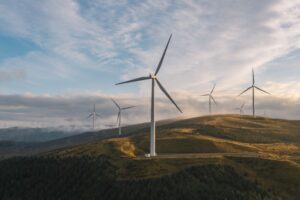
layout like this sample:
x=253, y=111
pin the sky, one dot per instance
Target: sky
x=58, y=58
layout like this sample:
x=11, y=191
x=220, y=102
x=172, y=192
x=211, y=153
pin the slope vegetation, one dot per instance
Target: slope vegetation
x=215, y=157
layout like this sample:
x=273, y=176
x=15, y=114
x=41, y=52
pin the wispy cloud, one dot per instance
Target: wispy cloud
x=12, y=74
x=213, y=42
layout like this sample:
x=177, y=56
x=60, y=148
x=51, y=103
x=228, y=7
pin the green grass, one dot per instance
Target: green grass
x=280, y=177
x=85, y=177
x=246, y=128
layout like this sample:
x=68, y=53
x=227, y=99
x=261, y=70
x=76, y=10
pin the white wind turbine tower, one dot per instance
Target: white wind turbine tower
x=119, y=119
x=241, y=109
x=253, y=87
x=93, y=114
x=210, y=97
x=154, y=80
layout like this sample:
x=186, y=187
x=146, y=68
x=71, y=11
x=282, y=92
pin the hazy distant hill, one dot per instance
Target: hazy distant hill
x=27, y=141
x=31, y=148
x=33, y=134
x=211, y=157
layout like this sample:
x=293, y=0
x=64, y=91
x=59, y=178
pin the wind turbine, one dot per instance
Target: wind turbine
x=93, y=114
x=154, y=80
x=241, y=109
x=119, y=119
x=253, y=87
x=264, y=114
x=210, y=97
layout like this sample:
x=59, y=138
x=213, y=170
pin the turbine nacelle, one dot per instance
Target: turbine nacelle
x=152, y=76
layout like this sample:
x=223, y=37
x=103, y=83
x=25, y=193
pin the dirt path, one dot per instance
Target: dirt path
x=204, y=155
x=291, y=159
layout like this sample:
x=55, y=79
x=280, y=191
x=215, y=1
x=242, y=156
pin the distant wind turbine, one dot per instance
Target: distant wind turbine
x=210, y=97
x=154, y=80
x=93, y=114
x=241, y=109
x=119, y=118
x=264, y=114
x=253, y=87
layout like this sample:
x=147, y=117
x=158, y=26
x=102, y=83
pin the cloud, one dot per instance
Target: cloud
x=12, y=74
x=208, y=37
x=54, y=25
x=213, y=42
x=68, y=42
x=71, y=110
x=220, y=41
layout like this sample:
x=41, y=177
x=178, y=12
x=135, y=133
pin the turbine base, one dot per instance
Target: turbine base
x=148, y=155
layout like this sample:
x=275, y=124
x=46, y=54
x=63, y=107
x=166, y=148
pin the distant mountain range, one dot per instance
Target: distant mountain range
x=16, y=134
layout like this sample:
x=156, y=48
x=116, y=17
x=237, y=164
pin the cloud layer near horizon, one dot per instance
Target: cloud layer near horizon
x=71, y=111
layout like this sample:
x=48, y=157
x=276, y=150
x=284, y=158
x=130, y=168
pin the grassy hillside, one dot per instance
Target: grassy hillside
x=215, y=157
x=95, y=178
x=212, y=134
x=244, y=129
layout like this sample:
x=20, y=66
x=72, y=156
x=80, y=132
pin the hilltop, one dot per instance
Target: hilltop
x=209, y=134
x=210, y=157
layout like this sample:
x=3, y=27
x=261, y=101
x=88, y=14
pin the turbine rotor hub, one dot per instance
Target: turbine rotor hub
x=152, y=76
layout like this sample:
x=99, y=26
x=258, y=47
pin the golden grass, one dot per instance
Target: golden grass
x=124, y=146
x=111, y=147
x=280, y=148
x=186, y=137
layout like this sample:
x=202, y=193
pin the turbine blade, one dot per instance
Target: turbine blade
x=243, y=105
x=262, y=90
x=245, y=90
x=134, y=80
x=253, y=80
x=90, y=116
x=163, y=56
x=98, y=115
x=204, y=95
x=128, y=107
x=116, y=103
x=213, y=99
x=118, y=118
x=166, y=93
x=213, y=89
